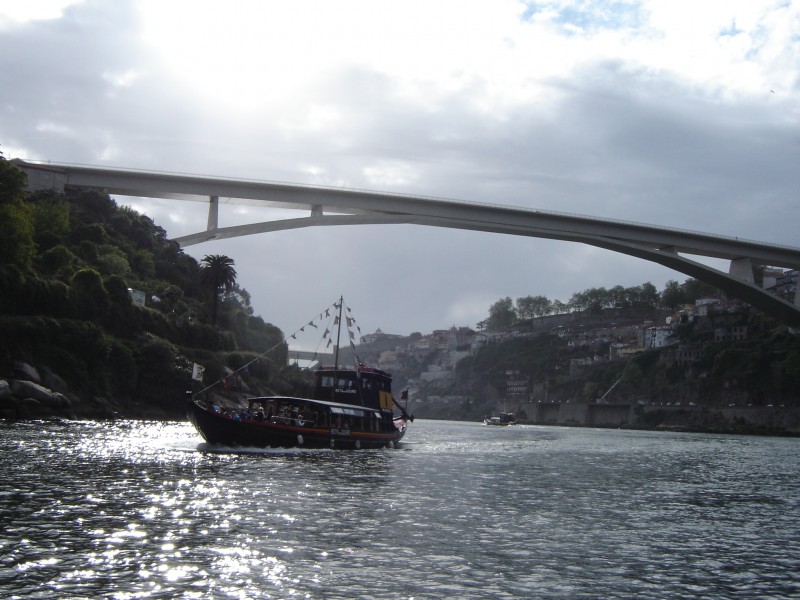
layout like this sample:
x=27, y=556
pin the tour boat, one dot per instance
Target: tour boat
x=351, y=407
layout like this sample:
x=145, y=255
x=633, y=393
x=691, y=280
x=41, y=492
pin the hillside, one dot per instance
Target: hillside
x=70, y=267
x=535, y=366
x=73, y=264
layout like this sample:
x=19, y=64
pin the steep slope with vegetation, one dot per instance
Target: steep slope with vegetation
x=697, y=377
x=68, y=264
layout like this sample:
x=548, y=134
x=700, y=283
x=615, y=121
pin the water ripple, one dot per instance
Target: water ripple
x=144, y=510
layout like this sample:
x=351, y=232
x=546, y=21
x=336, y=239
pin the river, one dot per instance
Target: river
x=132, y=509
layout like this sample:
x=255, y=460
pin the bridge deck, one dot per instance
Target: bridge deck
x=333, y=206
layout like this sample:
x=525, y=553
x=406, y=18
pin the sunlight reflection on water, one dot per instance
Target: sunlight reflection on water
x=145, y=510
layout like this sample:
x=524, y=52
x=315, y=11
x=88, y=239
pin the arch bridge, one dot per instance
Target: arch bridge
x=336, y=206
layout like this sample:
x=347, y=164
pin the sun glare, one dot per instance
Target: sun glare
x=33, y=10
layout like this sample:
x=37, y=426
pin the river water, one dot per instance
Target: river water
x=143, y=510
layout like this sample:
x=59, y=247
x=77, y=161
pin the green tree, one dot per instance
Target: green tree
x=533, y=306
x=51, y=216
x=12, y=182
x=58, y=261
x=217, y=274
x=91, y=298
x=648, y=296
x=694, y=289
x=502, y=314
x=673, y=295
x=559, y=307
x=592, y=300
x=17, y=245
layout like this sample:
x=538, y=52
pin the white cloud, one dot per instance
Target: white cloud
x=651, y=111
x=33, y=10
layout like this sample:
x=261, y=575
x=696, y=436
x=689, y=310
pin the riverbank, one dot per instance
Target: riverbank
x=34, y=396
x=757, y=420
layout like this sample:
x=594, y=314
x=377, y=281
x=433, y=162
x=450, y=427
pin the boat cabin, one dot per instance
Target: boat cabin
x=363, y=386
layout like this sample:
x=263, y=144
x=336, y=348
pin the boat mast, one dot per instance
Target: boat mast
x=338, y=336
x=336, y=352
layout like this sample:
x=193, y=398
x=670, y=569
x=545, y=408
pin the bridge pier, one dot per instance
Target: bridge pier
x=742, y=268
x=797, y=294
x=213, y=213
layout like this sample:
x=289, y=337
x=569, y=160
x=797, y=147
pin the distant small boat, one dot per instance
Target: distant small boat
x=501, y=419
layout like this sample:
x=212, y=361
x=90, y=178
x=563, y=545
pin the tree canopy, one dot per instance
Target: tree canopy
x=70, y=264
x=218, y=274
x=640, y=299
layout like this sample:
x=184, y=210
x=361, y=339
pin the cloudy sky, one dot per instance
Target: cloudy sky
x=678, y=113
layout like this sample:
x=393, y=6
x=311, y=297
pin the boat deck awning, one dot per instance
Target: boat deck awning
x=336, y=408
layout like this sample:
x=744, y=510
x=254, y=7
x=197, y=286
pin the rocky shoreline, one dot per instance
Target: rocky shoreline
x=31, y=395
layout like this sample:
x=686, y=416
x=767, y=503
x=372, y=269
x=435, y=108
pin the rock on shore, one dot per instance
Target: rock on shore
x=29, y=395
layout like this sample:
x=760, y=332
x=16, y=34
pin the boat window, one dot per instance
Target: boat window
x=353, y=412
x=326, y=381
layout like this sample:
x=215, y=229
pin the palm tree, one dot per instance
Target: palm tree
x=217, y=273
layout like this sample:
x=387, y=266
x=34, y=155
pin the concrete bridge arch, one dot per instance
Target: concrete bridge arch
x=335, y=207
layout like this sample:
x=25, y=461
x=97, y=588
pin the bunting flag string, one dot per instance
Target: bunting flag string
x=197, y=369
x=338, y=305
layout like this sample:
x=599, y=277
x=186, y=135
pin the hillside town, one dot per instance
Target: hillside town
x=427, y=364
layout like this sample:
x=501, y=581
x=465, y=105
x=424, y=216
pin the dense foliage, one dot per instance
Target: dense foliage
x=69, y=265
x=759, y=371
x=638, y=300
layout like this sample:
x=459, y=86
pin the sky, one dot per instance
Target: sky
x=677, y=113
